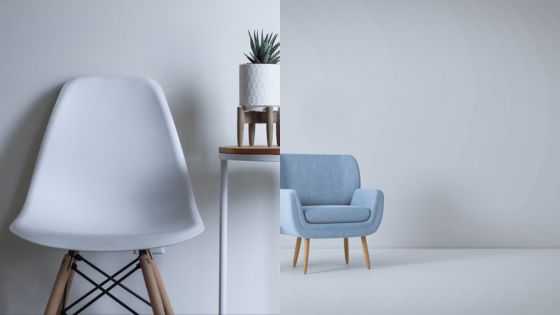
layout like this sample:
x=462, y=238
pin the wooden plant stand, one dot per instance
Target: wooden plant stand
x=268, y=117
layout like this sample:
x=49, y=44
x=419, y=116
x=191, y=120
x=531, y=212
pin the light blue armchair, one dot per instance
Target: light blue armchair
x=320, y=197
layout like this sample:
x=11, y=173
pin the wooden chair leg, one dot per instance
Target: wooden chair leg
x=162, y=291
x=57, y=291
x=296, y=251
x=66, y=294
x=346, y=258
x=366, y=252
x=151, y=283
x=252, y=134
x=305, y=255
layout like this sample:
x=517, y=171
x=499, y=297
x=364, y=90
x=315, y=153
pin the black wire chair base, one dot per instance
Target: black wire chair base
x=115, y=280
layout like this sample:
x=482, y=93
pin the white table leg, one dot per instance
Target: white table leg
x=223, y=236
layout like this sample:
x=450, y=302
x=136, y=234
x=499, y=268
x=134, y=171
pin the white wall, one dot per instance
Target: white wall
x=192, y=48
x=452, y=108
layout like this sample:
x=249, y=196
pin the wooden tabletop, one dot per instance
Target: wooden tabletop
x=255, y=150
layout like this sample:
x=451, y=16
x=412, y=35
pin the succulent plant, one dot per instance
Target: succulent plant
x=264, y=49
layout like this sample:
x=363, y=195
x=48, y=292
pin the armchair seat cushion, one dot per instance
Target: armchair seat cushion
x=335, y=214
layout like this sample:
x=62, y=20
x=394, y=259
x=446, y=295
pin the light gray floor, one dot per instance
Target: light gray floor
x=423, y=281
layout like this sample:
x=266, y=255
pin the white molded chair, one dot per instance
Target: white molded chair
x=110, y=176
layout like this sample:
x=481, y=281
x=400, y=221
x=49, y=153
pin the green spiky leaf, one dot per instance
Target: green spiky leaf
x=264, y=48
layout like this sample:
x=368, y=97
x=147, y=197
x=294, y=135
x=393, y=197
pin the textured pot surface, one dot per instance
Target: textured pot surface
x=259, y=85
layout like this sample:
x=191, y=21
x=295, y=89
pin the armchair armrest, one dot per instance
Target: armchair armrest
x=291, y=213
x=373, y=199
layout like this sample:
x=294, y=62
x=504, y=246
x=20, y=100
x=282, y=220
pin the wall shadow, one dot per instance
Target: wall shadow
x=16, y=166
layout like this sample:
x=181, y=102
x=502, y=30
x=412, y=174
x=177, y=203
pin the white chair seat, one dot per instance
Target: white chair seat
x=107, y=233
x=157, y=236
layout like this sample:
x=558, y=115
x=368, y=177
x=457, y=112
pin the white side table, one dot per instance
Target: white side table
x=247, y=153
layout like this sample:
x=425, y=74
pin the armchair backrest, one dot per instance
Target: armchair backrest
x=320, y=179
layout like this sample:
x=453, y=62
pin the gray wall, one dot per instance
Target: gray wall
x=192, y=48
x=452, y=108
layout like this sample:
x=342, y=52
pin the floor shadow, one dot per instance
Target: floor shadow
x=435, y=256
x=388, y=258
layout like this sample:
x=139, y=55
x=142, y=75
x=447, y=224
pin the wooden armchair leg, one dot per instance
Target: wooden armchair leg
x=366, y=252
x=346, y=258
x=305, y=255
x=296, y=251
x=162, y=291
x=151, y=283
x=57, y=292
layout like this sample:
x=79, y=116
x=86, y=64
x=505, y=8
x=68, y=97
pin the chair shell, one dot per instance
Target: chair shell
x=110, y=174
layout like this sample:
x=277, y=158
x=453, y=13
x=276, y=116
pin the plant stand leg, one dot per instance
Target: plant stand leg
x=269, y=125
x=278, y=127
x=57, y=292
x=162, y=291
x=240, y=125
x=151, y=283
x=296, y=251
x=251, y=134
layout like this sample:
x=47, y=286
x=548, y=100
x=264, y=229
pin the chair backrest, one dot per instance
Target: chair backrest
x=110, y=156
x=320, y=179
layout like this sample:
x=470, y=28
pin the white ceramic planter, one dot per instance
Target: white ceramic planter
x=259, y=85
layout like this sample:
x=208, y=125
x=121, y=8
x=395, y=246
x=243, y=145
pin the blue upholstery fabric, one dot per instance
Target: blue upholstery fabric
x=336, y=214
x=317, y=183
x=320, y=179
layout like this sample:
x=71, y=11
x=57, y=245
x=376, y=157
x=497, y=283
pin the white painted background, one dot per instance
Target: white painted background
x=192, y=48
x=452, y=108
